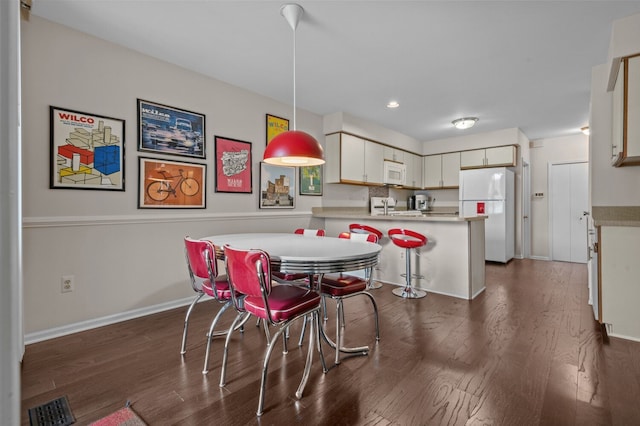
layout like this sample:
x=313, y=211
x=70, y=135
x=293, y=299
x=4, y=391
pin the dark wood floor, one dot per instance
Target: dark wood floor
x=526, y=352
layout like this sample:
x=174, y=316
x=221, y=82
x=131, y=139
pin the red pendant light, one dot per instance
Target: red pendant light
x=294, y=147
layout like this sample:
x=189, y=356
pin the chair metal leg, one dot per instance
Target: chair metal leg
x=183, y=347
x=307, y=366
x=304, y=328
x=225, y=353
x=226, y=306
x=265, y=367
x=339, y=322
x=375, y=313
x=316, y=318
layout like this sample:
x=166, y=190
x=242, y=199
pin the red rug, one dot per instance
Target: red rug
x=123, y=417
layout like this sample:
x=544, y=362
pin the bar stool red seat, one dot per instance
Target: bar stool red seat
x=358, y=228
x=409, y=240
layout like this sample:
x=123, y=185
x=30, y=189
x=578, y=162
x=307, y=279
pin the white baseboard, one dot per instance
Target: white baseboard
x=539, y=257
x=52, y=333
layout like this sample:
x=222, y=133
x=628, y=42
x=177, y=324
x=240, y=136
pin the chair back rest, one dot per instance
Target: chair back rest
x=354, y=236
x=310, y=232
x=365, y=229
x=249, y=271
x=201, y=261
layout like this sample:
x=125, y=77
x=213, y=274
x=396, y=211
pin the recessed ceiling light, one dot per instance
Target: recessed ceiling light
x=585, y=130
x=393, y=104
x=465, y=122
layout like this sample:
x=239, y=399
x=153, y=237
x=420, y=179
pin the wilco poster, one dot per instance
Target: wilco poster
x=166, y=130
x=233, y=165
x=87, y=150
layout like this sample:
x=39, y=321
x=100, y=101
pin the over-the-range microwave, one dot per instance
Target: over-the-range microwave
x=394, y=173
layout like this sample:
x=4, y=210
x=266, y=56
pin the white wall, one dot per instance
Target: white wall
x=125, y=259
x=573, y=148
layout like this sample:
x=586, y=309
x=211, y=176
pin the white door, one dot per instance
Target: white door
x=568, y=197
x=526, y=210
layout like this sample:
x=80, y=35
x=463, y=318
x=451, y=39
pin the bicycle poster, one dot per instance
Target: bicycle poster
x=171, y=184
x=168, y=130
x=87, y=151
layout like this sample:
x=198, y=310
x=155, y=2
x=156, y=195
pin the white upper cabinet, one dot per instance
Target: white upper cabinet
x=499, y=156
x=441, y=171
x=350, y=159
x=625, y=145
x=413, y=163
x=394, y=154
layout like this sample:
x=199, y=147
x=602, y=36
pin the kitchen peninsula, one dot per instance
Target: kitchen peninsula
x=452, y=262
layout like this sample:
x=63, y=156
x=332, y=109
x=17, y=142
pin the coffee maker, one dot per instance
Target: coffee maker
x=424, y=202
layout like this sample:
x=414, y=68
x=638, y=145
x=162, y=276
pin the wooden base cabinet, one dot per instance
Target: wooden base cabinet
x=619, y=280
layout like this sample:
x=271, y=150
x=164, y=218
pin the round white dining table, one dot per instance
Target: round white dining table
x=312, y=255
x=295, y=253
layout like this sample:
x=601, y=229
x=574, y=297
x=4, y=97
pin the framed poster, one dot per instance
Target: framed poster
x=167, y=130
x=275, y=126
x=233, y=165
x=277, y=186
x=311, y=180
x=171, y=184
x=87, y=150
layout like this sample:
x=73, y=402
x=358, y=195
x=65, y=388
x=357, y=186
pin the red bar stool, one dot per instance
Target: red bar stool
x=358, y=228
x=408, y=240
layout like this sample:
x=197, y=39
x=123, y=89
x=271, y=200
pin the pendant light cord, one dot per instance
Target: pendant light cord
x=294, y=79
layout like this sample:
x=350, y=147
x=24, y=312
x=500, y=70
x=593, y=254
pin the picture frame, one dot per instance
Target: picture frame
x=163, y=129
x=275, y=126
x=166, y=184
x=311, y=180
x=86, y=151
x=277, y=187
x=233, y=165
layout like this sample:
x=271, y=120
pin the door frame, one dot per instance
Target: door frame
x=526, y=210
x=550, y=203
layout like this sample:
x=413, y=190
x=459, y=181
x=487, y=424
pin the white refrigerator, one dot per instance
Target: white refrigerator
x=490, y=192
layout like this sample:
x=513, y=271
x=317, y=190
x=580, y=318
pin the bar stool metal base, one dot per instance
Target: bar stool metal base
x=409, y=293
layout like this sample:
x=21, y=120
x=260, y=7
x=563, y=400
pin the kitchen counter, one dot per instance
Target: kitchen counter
x=439, y=215
x=452, y=262
x=616, y=215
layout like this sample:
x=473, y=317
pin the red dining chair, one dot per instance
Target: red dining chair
x=366, y=229
x=286, y=277
x=342, y=286
x=203, y=271
x=249, y=274
x=408, y=240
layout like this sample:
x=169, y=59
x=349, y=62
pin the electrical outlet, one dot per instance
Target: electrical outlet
x=67, y=283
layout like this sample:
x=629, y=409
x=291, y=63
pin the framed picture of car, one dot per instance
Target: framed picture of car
x=167, y=130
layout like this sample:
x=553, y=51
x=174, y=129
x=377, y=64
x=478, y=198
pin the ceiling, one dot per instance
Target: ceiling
x=511, y=63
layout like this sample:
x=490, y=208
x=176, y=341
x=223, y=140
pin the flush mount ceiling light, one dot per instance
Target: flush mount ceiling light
x=585, y=130
x=294, y=147
x=465, y=122
x=393, y=104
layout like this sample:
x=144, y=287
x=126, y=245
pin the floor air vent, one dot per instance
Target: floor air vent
x=53, y=413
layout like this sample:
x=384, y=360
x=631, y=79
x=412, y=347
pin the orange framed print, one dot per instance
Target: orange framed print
x=275, y=126
x=171, y=184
